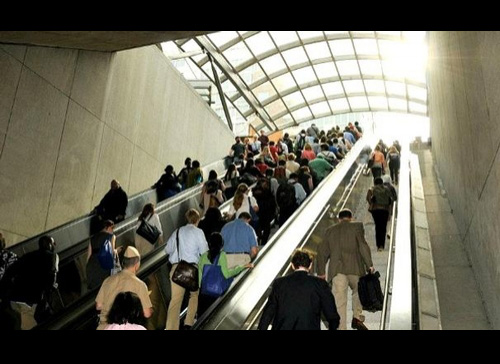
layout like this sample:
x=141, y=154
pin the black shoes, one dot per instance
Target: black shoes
x=358, y=324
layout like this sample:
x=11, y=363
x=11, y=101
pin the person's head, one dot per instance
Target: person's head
x=262, y=132
x=237, y=139
x=215, y=244
x=393, y=149
x=271, y=143
x=356, y=123
x=126, y=308
x=213, y=214
x=212, y=174
x=169, y=169
x=345, y=214
x=245, y=216
x=302, y=259
x=147, y=210
x=378, y=181
x=324, y=147
x=242, y=187
x=307, y=146
x=377, y=148
x=108, y=225
x=115, y=184
x=187, y=162
x=386, y=179
x=294, y=176
x=131, y=259
x=291, y=157
x=250, y=163
x=192, y=217
x=269, y=172
x=286, y=136
x=196, y=164
x=46, y=243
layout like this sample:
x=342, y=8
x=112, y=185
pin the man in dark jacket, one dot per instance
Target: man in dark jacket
x=30, y=278
x=297, y=300
x=113, y=204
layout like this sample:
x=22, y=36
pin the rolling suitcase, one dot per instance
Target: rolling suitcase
x=370, y=293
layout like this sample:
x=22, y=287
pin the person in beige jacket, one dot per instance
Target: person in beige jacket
x=344, y=245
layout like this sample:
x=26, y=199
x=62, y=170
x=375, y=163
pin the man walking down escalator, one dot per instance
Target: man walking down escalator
x=344, y=245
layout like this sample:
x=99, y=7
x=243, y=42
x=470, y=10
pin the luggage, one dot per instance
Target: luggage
x=370, y=293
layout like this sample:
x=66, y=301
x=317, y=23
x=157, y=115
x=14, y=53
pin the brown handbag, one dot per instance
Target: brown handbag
x=185, y=274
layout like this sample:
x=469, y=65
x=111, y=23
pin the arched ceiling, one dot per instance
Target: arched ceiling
x=279, y=79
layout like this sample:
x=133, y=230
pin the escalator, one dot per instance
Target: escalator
x=80, y=314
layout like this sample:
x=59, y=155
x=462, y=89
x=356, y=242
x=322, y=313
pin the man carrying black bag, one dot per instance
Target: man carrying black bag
x=186, y=244
x=344, y=245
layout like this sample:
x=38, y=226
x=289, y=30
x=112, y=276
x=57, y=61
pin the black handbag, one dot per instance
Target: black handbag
x=185, y=274
x=149, y=232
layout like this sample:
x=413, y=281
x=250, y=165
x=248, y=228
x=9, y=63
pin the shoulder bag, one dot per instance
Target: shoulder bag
x=213, y=282
x=148, y=231
x=185, y=274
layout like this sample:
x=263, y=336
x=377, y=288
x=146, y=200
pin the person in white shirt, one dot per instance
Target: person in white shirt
x=148, y=214
x=192, y=244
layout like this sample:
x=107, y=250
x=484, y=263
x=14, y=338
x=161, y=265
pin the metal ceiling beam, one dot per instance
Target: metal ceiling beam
x=338, y=97
x=222, y=95
x=238, y=83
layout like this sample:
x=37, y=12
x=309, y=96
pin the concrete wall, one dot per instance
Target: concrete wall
x=464, y=107
x=70, y=121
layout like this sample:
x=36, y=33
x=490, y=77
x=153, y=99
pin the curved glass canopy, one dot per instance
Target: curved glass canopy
x=273, y=80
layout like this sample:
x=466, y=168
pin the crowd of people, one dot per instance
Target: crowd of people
x=267, y=181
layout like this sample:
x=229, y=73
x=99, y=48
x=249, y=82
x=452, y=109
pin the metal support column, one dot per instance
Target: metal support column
x=221, y=93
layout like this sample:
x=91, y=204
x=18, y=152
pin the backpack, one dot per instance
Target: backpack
x=285, y=196
x=212, y=186
x=381, y=195
x=105, y=255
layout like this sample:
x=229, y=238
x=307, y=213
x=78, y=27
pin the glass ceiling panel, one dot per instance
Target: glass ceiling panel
x=367, y=81
x=354, y=86
x=318, y=50
x=397, y=104
x=333, y=89
x=275, y=107
x=273, y=64
x=366, y=46
x=237, y=54
x=358, y=102
x=295, y=56
x=339, y=105
x=339, y=33
x=320, y=109
x=374, y=86
x=372, y=68
x=264, y=91
x=313, y=93
x=348, y=68
x=419, y=108
x=304, y=75
x=378, y=102
x=284, y=82
x=221, y=38
x=341, y=47
x=417, y=92
x=285, y=120
x=260, y=43
x=308, y=35
x=282, y=38
x=326, y=70
x=395, y=88
x=294, y=99
x=303, y=113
